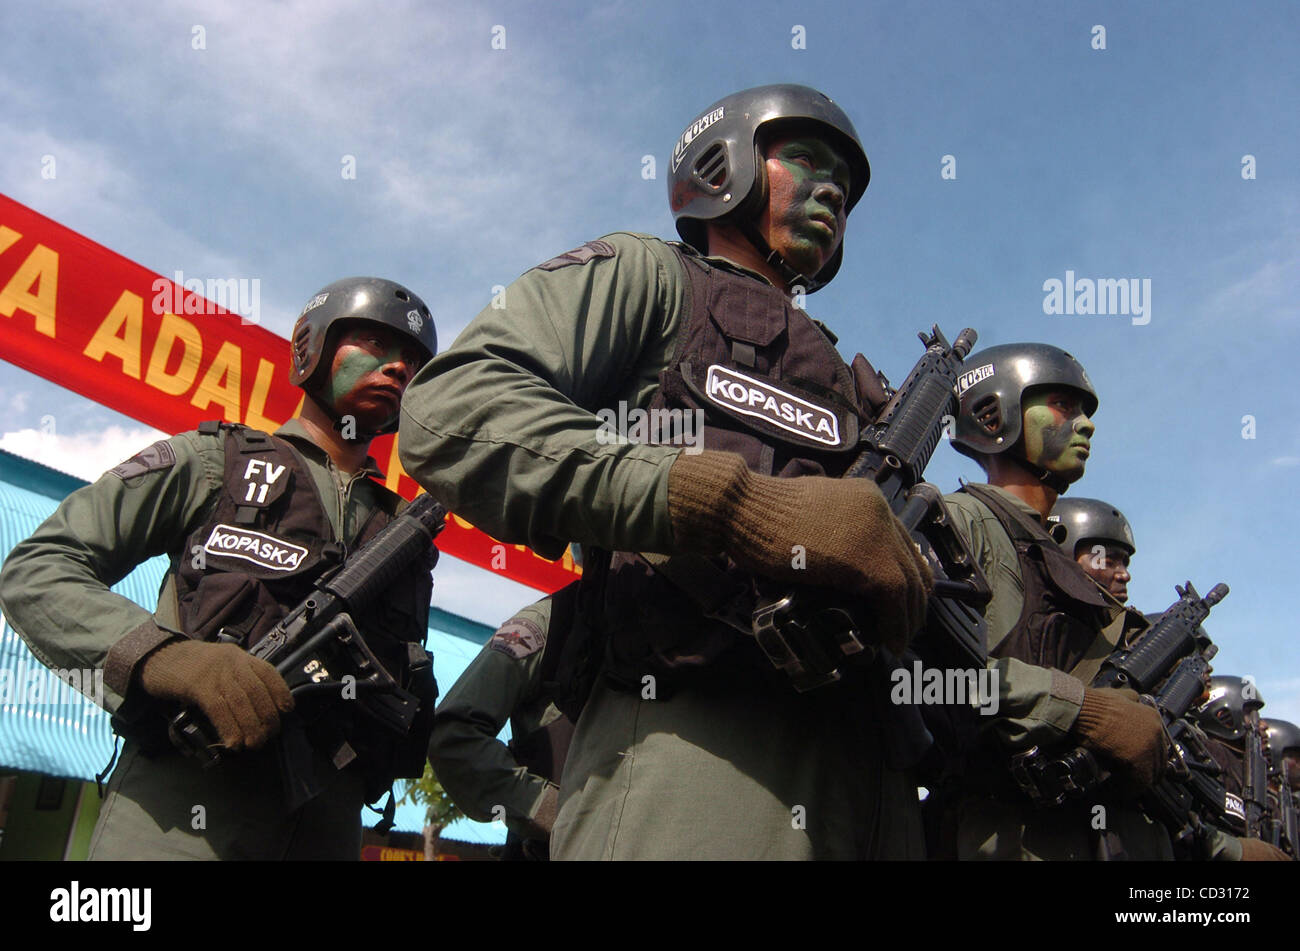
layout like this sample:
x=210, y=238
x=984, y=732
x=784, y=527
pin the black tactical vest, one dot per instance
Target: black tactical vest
x=773, y=389
x=1064, y=609
x=258, y=555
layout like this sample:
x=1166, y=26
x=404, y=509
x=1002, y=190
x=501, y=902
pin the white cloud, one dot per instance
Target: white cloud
x=1287, y=461
x=1259, y=280
x=86, y=455
x=451, y=140
x=16, y=403
x=435, y=117
x=478, y=594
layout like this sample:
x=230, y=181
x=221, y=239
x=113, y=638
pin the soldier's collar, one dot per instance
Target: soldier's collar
x=294, y=432
x=725, y=264
x=1019, y=504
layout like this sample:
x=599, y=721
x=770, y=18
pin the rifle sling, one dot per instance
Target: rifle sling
x=707, y=585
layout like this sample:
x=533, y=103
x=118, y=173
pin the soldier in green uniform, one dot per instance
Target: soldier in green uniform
x=489, y=781
x=1284, y=782
x=1284, y=749
x=691, y=745
x=301, y=499
x=1098, y=537
x=1026, y=418
x=1224, y=720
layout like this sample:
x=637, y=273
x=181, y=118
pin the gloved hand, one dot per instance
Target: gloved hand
x=852, y=541
x=1256, y=850
x=1132, y=733
x=241, y=695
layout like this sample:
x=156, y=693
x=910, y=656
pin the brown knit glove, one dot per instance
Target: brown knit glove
x=241, y=695
x=852, y=541
x=1132, y=733
x=1256, y=850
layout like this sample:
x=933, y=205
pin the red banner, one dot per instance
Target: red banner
x=88, y=319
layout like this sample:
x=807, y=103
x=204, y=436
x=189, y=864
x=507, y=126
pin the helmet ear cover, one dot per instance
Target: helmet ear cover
x=987, y=413
x=712, y=169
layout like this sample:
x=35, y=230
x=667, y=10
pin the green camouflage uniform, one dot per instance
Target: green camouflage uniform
x=1038, y=707
x=502, y=683
x=55, y=593
x=501, y=429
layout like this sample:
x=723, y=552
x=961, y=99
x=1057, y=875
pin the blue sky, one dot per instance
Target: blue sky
x=474, y=163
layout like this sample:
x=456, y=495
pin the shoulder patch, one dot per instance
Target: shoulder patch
x=518, y=637
x=158, y=456
x=589, y=251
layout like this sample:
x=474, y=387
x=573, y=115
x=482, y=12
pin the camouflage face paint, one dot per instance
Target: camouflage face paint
x=358, y=368
x=1056, y=432
x=803, y=221
x=352, y=365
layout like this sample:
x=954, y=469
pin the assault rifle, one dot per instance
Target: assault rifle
x=1283, y=816
x=1255, y=772
x=811, y=633
x=317, y=648
x=1176, y=635
x=1176, y=654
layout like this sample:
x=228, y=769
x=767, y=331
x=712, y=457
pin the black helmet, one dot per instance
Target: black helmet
x=1283, y=738
x=1077, y=520
x=717, y=169
x=991, y=391
x=355, y=298
x=1224, y=714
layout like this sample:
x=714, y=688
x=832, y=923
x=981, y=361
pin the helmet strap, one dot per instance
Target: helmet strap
x=788, y=274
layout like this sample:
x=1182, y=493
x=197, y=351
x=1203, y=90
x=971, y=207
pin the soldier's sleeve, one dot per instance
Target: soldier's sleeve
x=473, y=765
x=54, y=586
x=502, y=427
x=1036, y=705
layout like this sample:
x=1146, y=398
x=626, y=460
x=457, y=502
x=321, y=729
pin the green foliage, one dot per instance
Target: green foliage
x=440, y=811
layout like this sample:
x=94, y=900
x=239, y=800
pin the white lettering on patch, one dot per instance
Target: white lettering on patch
x=692, y=132
x=762, y=400
x=314, y=303
x=971, y=377
x=1234, y=805
x=251, y=546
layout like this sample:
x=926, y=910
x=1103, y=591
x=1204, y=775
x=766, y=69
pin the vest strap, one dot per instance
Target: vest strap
x=744, y=354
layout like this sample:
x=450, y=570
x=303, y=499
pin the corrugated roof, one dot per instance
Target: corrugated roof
x=48, y=727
